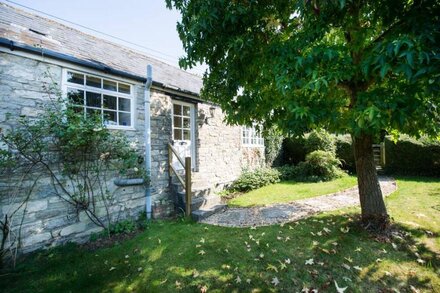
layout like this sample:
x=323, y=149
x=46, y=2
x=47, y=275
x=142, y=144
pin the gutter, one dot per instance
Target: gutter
x=147, y=95
x=12, y=45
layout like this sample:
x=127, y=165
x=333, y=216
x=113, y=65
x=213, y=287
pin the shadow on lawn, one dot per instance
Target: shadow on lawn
x=169, y=255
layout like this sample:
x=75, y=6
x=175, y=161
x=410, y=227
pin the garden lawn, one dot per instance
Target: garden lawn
x=182, y=256
x=288, y=191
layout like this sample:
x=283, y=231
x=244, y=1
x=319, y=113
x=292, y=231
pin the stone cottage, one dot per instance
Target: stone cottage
x=107, y=78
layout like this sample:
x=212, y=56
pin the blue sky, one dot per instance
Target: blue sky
x=148, y=22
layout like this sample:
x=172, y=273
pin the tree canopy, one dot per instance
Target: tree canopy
x=348, y=66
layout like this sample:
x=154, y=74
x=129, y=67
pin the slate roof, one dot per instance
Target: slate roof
x=22, y=27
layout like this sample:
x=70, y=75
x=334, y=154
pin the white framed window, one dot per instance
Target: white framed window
x=251, y=137
x=112, y=99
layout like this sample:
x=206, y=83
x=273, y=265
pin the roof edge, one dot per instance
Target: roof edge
x=13, y=45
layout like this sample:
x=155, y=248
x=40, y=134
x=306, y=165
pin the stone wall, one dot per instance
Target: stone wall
x=48, y=219
x=221, y=156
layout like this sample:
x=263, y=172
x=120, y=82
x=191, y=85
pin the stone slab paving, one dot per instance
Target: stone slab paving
x=288, y=212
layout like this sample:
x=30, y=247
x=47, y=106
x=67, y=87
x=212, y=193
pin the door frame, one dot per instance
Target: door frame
x=192, y=128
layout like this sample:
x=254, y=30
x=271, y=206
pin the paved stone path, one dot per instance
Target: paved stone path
x=288, y=212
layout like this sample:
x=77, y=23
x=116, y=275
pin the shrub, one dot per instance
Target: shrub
x=273, y=142
x=321, y=165
x=412, y=157
x=254, y=179
x=345, y=153
x=320, y=140
x=288, y=172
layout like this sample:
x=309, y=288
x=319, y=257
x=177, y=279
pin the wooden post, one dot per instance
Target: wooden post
x=188, y=185
x=170, y=160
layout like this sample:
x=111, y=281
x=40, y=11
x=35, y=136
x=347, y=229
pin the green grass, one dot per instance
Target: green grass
x=169, y=260
x=288, y=191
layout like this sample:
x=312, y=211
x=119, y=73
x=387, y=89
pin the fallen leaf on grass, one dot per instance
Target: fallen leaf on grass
x=272, y=267
x=275, y=281
x=238, y=280
x=195, y=274
x=112, y=269
x=202, y=240
x=346, y=266
x=339, y=289
x=310, y=261
x=287, y=261
x=248, y=281
x=421, y=261
x=282, y=266
x=202, y=252
x=345, y=230
x=357, y=268
x=348, y=259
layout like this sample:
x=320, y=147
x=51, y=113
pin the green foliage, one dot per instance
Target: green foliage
x=77, y=152
x=320, y=140
x=273, y=142
x=126, y=226
x=353, y=67
x=411, y=156
x=289, y=172
x=321, y=165
x=253, y=179
x=345, y=152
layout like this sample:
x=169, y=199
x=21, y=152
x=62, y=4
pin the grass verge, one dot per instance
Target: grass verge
x=288, y=191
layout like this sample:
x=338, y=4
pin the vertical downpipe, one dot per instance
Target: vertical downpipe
x=147, y=94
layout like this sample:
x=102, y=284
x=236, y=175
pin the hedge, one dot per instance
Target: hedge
x=412, y=157
x=345, y=152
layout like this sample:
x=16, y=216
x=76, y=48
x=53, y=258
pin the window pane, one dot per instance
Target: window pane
x=177, y=110
x=178, y=134
x=124, y=119
x=186, y=123
x=124, y=88
x=124, y=104
x=110, y=118
x=186, y=110
x=75, y=96
x=186, y=135
x=177, y=122
x=93, y=99
x=93, y=81
x=109, y=85
x=75, y=77
x=109, y=102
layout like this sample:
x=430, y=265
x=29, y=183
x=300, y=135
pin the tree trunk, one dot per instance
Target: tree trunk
x=374, y=212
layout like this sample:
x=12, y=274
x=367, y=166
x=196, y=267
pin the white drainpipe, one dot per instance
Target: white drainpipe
x=148, y=84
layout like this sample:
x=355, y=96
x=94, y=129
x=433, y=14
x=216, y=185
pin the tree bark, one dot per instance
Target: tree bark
x=374, y=212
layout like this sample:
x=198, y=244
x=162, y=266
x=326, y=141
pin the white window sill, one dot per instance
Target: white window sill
x=113, y=127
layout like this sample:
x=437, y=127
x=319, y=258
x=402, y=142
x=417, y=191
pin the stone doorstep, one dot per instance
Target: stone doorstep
x=207, y=211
